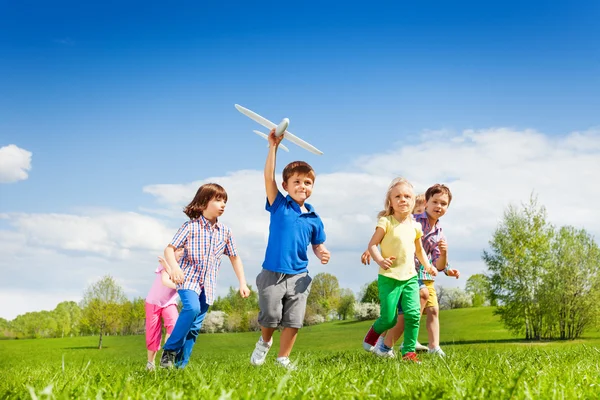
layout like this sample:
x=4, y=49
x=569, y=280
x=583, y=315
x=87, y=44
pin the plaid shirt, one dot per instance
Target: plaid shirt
x=204, y=244
x=429, y=240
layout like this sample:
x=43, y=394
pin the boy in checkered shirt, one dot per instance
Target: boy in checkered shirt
x=205, y=240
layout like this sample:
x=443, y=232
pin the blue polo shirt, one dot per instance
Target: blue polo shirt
x=290, y=233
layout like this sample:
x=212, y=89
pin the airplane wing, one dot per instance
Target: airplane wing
x=306, y=146
x=265, y=136
x=252, y=115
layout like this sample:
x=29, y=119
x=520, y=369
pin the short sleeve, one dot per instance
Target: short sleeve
x=181, y=236
x=279, y=200
x=418, y=230
x=318, y=234
x=230, y=247
x=383, y=223
x=159, y=269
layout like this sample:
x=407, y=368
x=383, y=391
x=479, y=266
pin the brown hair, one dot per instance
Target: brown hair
x=298, y=167
x=436, y=189
x=387, y=204
x=205, y=193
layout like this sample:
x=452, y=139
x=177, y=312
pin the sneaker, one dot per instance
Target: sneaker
x=420, y=347
x=378, y=343
x=383, y=351
x=370, y=340
x=150, y=366
x=286, y=363
x=260, y=352
x=167, y=360
x=412, y=357
x=437, y=351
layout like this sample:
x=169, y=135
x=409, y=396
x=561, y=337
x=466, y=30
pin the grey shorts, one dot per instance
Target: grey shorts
x=282, y=298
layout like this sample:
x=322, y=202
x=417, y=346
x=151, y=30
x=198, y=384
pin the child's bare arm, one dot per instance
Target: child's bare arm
x=442, y=260
x=422, y=257
x=322, y=253
x=270, y=183
x=376, y=239
x=166, y=280
x=176, y=272
x=365, y=258
x=238, y=268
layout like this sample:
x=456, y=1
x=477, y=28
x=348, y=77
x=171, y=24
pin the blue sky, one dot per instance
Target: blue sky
x=111, y=98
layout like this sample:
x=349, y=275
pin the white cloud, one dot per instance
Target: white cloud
x=487, y=170
x=14, y=164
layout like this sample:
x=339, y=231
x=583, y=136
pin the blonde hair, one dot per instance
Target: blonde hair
x=419, y=201
x=387, y=204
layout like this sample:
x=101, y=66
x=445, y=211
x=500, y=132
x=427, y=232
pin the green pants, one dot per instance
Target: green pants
x=407, y=292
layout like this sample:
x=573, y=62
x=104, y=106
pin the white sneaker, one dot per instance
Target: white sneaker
x=420, y=347
x=286, y=363
x=383, y=353
x=437, y=351
x=379, y=343
x=260, y=352
x=150, y=366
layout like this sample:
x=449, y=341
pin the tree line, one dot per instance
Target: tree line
x=544, y=282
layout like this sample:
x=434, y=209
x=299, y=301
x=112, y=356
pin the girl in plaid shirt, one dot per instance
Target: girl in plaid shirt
x=205, y=240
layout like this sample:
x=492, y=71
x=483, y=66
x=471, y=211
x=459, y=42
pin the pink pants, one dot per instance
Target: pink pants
x=154, y=313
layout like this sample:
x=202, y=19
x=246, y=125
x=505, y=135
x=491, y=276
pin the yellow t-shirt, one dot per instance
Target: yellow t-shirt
x=399, y=242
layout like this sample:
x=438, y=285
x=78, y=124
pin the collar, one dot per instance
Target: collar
x=204, y=222
x=296, y=206
x=424, y=217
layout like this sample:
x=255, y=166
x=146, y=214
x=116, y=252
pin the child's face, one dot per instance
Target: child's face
x=419, y=208
x=299, y=187
x=214, y=209
x=402, y=199
x=437, y=205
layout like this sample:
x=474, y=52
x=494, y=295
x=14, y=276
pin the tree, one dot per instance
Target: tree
x=239, y=311
x=518, y=257
x=478, y=287
x=346, y=303
x=370, y=293
x=455, y=298
x=68, y=316
x=133, y=316
x=324, y=293
x=102, y=304
x=571, y=290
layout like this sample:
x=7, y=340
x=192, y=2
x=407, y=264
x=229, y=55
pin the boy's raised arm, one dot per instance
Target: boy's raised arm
x=270, y=183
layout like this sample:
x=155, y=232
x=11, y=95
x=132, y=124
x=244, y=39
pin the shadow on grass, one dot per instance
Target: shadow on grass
x=85, y=348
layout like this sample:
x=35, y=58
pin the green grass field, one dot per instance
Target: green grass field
x=483, y=361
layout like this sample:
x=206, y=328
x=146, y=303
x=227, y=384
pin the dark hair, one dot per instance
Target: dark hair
x=436, y=189
x=205, y=193
x=299, y=167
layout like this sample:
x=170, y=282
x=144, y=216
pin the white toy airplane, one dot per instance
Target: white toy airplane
x=280, y=129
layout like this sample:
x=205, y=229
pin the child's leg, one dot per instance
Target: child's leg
x=189, y=312
x=389, y=294
x=183, y=355
x=271, y=290
x=396, y=332
x=433, y=321
x=152, y=330
x=293, y=310
x=286, y=341
x=410, y=306
x=169, y=316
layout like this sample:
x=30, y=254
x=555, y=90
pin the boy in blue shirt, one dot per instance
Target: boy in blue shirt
x=283, y=284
